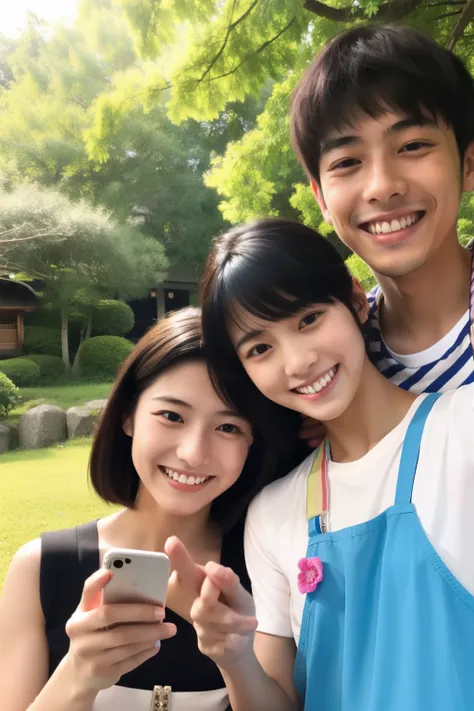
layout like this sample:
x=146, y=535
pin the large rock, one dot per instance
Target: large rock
x=96, y=404
x=4, y=438
x=42, y=426
x=81, y=421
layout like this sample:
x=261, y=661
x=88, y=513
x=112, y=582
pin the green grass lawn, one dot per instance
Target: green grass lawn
x=64, y=396
x=42, y=490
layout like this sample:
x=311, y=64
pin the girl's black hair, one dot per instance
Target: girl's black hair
x=271, y=269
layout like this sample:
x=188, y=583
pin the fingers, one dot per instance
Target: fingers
x=207, y=612
x=100, y=643
x=92, y=591
x=122, y=636
x=190, y=574
x=229, y=585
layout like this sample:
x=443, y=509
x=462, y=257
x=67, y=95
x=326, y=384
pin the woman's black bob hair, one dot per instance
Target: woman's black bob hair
x=271, y=269
x=176, y=338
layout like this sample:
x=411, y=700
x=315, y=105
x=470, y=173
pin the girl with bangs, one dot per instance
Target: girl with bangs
x=360, y=558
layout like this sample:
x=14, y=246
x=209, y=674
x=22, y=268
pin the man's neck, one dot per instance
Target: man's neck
x=418, y=309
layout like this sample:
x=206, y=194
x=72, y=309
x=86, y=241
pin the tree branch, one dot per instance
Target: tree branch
x=390, y=11
x=466, y=18
x=254, y=54
x=447, y=14
x=38, y=235
x=230, y=29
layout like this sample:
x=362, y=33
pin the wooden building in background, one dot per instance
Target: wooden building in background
x=16, y=297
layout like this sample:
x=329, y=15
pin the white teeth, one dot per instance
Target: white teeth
x=318, y=385
x=393, y=226
x=183, y=479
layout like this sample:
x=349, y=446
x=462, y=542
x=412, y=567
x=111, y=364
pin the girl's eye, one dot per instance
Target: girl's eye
x=415, y=146
x=257, y=350
x=310, y=319
x=170, y=416
x=229, y=428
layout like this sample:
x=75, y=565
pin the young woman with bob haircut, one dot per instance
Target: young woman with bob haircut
x=179, y=460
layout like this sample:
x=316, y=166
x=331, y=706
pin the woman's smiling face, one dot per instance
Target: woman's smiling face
x=188, y=447
x=311, y=362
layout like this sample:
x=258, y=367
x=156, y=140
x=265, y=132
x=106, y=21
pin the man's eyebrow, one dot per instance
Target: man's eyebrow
x=338, y=142
x=411, y=122
x=249, y=336
x=349, y=140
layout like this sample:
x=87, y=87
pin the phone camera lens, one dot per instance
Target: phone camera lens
x=118, y=563
x=127, y=560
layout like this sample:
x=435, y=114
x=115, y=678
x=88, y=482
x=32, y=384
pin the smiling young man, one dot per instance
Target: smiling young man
x=383, y=122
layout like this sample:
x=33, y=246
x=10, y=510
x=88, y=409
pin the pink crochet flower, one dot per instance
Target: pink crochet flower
x=310, y=575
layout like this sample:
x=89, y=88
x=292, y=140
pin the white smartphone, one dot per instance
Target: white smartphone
x=139, y=576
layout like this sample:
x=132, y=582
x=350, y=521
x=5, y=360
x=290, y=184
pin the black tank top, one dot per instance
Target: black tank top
x=70, y=556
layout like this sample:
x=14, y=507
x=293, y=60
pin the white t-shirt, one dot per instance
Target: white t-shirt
x=277, y=530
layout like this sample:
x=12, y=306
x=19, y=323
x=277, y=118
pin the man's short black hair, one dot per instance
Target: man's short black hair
x=369, y=70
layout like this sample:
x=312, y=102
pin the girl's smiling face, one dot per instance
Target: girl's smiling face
x=188, y=447
x=311, y=362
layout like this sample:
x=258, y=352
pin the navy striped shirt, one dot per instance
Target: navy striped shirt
x=446, y=365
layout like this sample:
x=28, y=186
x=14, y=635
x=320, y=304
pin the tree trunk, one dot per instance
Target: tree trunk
x=85, y=334
x=65, y=337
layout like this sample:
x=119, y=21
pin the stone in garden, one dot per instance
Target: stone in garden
x=96, y=404
x=42, y=426
x=4, y=438
x=81, y=421
x=14, y=436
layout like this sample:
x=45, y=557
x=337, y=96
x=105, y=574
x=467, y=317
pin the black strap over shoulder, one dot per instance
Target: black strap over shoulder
x=68, y=558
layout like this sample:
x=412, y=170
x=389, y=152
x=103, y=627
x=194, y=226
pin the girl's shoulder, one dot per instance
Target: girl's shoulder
x=283, y=496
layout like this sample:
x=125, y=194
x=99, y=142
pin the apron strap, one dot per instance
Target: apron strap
x=314, y=498
x=411, y=450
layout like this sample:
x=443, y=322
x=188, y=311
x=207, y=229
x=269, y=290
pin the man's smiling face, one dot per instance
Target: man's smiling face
x=391, y=187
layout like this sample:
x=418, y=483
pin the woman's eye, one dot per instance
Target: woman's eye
x=310, y=318
x=258, y=350
x=229, y=428
x=170, y=416
x=415, y=146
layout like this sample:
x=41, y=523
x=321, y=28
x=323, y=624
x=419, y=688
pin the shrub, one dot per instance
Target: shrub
x=50, y=318
x=21, y=371
x=9, y=395
x=51, y=367
x=112, y=318
x=101, y=356
x=46, y=341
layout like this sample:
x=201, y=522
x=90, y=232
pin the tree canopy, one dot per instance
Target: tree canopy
x=202, y=55
x=150, y=173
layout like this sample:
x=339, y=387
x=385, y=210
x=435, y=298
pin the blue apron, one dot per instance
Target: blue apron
x=389, y=628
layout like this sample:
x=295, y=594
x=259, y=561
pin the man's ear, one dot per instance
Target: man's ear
x=359, y=299
x=127, y=426
x=318, y=194
x=468, y=169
